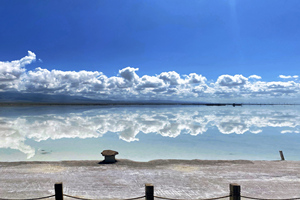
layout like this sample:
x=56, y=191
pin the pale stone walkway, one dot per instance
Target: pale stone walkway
x=171, y=178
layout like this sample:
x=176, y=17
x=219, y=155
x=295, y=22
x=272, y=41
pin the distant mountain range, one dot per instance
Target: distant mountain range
x=16, y=97
x=34, y=98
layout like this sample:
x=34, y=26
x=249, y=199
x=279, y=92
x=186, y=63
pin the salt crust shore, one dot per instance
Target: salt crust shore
x=189, y=179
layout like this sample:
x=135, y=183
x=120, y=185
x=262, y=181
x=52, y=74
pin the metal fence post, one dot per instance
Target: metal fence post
x=149, y=191
x=58, y=187
x=235, y=191
x=281, y=155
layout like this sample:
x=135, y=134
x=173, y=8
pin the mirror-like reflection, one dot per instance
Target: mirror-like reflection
x=36, y=124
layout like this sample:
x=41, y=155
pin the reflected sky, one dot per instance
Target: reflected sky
x=30, y=133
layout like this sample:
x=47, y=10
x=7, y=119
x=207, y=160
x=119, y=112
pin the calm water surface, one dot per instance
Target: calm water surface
x=145, y=133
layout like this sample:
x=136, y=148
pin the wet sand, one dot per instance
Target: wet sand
x=189, y=179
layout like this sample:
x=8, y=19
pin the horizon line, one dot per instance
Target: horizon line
x=137, y=103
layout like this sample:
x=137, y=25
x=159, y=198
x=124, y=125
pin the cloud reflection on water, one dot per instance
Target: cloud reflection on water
x=128, y=122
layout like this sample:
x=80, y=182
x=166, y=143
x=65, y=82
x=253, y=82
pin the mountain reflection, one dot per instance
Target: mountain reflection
x=128, y=122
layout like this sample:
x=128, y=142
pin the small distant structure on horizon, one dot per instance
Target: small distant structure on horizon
x=236, y=104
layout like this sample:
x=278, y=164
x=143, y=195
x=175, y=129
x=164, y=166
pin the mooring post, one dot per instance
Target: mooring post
x=149, y=191
x=58, y=187
x=235, y=191
x=281, y=155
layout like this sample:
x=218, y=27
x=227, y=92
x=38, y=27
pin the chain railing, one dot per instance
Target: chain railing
x=80, y=198
x=215, y=198
x=254, y=198
x=46, y=197
x=235, y=194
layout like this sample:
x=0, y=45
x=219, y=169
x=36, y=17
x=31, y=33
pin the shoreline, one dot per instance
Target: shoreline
x=133, y=163
x=190, y=179
x=124, y=161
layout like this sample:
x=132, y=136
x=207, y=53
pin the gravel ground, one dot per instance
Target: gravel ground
x=189, y=179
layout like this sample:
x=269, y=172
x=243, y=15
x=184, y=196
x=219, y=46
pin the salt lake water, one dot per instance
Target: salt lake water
x=142, y=133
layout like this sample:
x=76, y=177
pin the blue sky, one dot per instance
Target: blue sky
x=158, y=49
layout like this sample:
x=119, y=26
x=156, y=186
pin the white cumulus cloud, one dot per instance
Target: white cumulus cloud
x=254, y=77
x=128, y=85
x=10, y=72
x=231, y=81
x=288, y=77
x=172, y=78
x=129, y=74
